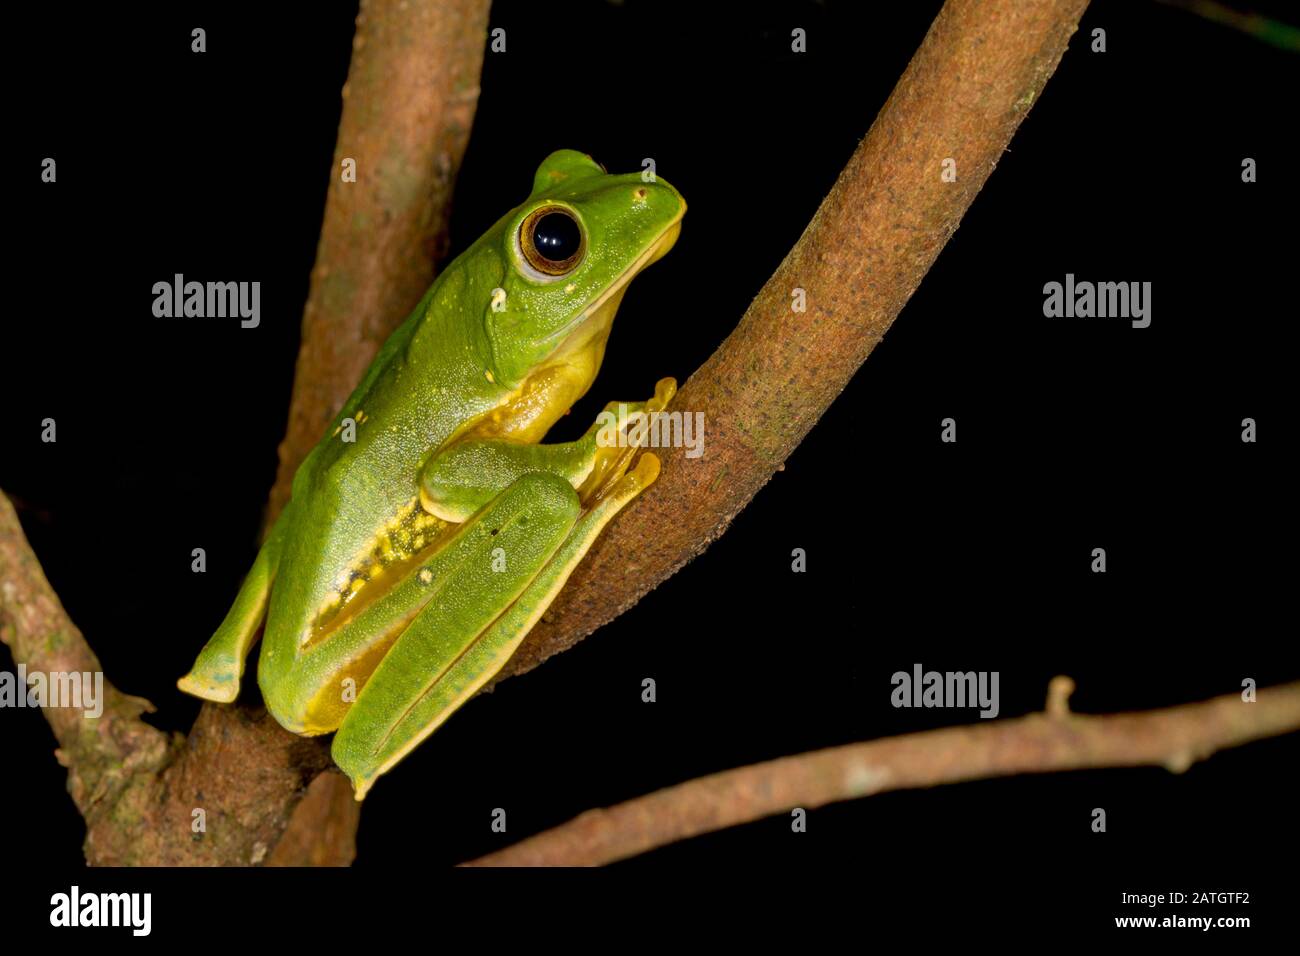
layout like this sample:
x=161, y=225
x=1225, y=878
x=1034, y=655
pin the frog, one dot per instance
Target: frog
x=430, y=528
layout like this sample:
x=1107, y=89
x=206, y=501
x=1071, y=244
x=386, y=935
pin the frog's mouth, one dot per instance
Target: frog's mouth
x=596, y=318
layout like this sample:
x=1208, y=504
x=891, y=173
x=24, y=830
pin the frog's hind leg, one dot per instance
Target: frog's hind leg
x=220, y=665
x=446, y=655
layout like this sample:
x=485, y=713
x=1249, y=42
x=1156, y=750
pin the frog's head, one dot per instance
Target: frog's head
x=570, y=251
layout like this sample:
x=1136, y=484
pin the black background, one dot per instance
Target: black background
x=1072, y=434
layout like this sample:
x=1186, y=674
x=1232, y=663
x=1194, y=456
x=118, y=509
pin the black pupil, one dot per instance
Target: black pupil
x=556, y=236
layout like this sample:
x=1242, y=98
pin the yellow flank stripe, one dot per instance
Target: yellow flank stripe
x=396, y=542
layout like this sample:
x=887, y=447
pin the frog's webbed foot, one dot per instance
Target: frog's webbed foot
x=618, y=435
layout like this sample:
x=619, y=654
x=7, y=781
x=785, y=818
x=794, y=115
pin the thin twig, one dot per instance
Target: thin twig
x=1270, y=30
x=102, y=753
x=1174, y=738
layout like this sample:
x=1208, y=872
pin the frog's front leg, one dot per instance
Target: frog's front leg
x=458, y=481
x=512, y=559
x=220, y=665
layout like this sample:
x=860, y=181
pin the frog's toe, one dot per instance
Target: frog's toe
x=615, y=452
x=665, y=389
x=219, y=688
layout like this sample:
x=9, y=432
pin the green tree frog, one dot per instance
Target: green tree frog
x=429, y=530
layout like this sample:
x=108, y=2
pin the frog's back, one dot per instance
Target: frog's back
x=355, y=512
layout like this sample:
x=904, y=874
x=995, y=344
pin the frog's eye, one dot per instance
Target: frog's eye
x=552, y=241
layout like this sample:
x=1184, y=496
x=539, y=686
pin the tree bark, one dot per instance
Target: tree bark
x=1174, y=738
x=408, y=106
x=409, y=101
x=980, y=68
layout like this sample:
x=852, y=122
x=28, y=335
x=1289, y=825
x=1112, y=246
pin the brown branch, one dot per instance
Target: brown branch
x=323, y=828
x=102, y=754
x=1174, y=738
x=408, y=104
x=136, y=789
x=978, y=71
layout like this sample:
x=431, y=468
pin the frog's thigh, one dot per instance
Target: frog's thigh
x=446, y=655
x=220, y=665
x=510, y=540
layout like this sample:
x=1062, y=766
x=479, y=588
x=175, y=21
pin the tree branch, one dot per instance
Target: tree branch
x=408, y=105
x=136, y=789
x=1174, y=738
x=102, y=754
x=978, y=71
